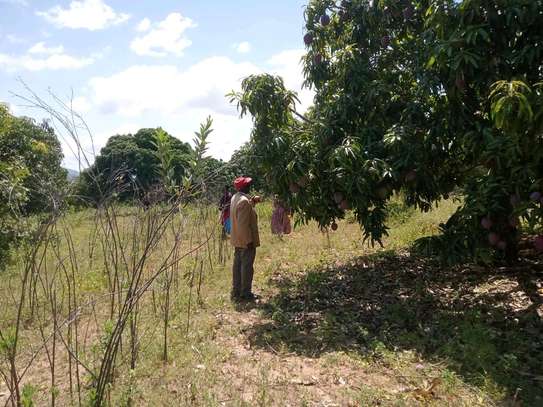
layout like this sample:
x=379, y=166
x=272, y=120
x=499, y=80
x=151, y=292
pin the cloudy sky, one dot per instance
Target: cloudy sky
x=149, y=63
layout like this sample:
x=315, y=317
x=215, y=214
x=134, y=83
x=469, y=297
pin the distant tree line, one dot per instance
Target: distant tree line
x=129, y=168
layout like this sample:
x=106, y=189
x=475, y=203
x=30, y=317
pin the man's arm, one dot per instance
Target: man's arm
x=255, y=238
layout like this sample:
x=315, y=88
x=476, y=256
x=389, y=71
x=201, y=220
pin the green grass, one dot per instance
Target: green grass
x=339, y=323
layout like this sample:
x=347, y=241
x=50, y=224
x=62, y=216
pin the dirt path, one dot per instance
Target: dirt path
x=390, y=331
x=272, y=377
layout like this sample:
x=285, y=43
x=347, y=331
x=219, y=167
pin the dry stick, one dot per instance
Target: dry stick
x=37, y=102
x=166, y=316
x=67, y=321
x=73, y=133
x=111, y=281
x=199, y=260
x=200, y=280
x=176, y=268
x=176, y=261
x=111, y=251
x=134, y=336
x=52, y=298
x=72, y=353
x=72, y=318
x=51, y=358
x=70, y=339
x=141, y=337
x=191, y=284
x=12, y=353
x=111, y=349
x=213, y=229
x=134, y=315
x=7, y=381
x=33, y=295
x=36, y=353
x=112, y=233
x=92, y=244
x=50, y=291
x=142, y=290
x=169, y=273
x=72, y=306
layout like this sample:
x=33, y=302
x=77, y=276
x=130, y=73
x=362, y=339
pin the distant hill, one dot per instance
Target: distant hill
x=72, y=174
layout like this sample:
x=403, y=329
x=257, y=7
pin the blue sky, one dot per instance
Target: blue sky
x=133, y=64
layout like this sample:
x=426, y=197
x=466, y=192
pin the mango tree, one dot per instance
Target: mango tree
x=423, y=97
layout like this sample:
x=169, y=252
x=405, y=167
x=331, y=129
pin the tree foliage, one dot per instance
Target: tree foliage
x=422, y=97
x=129, y=165
x=153, y=165
x=31, y=175
x=244, y=162
x=207, y=176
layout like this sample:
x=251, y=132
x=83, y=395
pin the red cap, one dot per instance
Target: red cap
x=242, y=182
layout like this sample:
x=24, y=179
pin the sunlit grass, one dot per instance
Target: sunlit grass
x=221, y=354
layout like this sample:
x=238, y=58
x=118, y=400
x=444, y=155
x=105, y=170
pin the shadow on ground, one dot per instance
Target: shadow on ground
x=481, y=323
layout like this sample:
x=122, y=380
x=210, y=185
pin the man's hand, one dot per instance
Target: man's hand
x=250, y=245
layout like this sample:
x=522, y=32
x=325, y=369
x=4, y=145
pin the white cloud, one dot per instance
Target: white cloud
x=80, y=104
x=41, y=48
x=179, y=99
x=14, y=39
x=51, y=62
x=164, y=38
x=102, y=53
x=144, y=25
x=130, y=127
x=42, y=57
x=243, y=47
x=167, y=96
x=167, y=89
x=88, y=14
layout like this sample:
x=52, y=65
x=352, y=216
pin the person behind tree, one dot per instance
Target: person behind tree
x=245, y=239
x=224, y=207
x=280, y=220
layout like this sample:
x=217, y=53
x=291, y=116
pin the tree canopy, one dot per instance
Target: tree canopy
x=31, y=175
x=127, y=165
x=419, y=97
x=132, y=166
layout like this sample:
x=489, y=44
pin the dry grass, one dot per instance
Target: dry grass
x=341, y=324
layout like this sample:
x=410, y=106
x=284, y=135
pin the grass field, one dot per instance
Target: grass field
x=338, y=324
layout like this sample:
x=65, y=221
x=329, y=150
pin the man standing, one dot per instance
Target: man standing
x=244, y=238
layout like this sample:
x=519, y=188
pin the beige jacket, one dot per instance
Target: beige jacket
x=244, y=221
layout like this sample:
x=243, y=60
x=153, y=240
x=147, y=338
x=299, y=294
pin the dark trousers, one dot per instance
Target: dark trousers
x=242, y=271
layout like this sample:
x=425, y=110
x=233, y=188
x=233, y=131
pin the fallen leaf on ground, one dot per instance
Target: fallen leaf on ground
x=427, y=393
x=310, y=382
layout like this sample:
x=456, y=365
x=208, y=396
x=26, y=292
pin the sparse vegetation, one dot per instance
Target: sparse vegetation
x=338, y=323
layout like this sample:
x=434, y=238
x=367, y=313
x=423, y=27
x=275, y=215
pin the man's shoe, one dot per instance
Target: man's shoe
x=250, y=297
